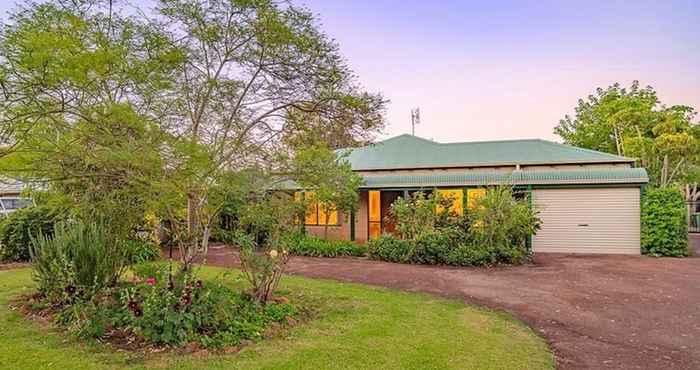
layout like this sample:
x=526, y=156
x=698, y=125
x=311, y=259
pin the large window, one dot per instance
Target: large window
x=457, y=196
x=473, y=195
x=317, y=213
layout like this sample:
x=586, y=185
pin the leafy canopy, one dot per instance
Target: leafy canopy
x=633, y=122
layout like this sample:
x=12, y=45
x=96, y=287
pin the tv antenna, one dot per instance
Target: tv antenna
x=415, y=120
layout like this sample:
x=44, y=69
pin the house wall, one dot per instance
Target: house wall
x=343, y=230
x=338, y=232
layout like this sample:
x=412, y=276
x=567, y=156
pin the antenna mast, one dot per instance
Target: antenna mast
x=415, y=120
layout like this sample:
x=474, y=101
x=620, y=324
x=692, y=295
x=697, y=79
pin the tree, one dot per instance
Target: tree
x=632, y=122
x=248, y=66
x=78, y=106
x=158, y=111
x=330, y=176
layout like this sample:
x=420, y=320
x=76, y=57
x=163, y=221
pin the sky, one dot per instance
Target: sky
x=492, y=70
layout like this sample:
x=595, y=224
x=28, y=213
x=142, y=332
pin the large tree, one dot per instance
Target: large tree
x=79, y=95
x=170, y=102
x=632, y=122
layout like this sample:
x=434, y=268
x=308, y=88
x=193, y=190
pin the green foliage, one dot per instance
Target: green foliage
x=194, y=311
x=494, y=231
x=417, y=216
x=139, y=251
x=632, y=122
x=78, y=261
x=299, y=244
x=499, y=221
x=664, y=224
x=389, y=248
x=155, y=270
x=331, y=178
x=18, y=228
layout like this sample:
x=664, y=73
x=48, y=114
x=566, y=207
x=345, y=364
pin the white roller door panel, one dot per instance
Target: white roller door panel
x=593, y=220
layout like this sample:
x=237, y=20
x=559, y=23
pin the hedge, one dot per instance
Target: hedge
x=18, y=227
x=664, y=223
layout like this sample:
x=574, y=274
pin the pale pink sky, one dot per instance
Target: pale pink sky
x=511, y=69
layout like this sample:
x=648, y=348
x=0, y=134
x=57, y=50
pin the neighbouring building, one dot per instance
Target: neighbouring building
x=10, y=196
x=588, y=201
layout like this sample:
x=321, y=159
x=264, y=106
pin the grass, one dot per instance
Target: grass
x=359, y=327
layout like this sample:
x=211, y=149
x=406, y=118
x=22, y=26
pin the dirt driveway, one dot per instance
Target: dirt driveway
x=597, y=312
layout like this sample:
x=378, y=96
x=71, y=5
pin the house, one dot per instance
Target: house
x=588, y=201
x=10, y=199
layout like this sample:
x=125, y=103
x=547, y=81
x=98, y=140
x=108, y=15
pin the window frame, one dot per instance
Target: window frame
x=316, y=207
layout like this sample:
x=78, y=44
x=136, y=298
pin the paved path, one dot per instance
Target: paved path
x=596, y=312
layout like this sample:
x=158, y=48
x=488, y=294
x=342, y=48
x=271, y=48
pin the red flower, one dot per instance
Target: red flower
x=151, y=281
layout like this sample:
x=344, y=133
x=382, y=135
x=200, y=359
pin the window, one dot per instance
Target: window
x=457, y=196
x=317, y=213
x=375, y=214
x=473, y=195
x=10, y=204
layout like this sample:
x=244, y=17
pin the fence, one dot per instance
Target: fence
x=694, y=217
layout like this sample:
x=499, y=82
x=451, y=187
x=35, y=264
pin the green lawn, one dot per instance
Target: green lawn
x=360, y=327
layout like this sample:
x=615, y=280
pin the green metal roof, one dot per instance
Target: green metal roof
x=622, y=175
x=473, y=178
x=406, y=151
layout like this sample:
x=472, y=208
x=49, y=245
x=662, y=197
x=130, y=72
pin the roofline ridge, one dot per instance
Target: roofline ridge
x=489, y=141
x=587, y=150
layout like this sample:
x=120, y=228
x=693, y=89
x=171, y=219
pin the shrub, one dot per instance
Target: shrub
x=432, y=248
x=389, y=248
x=211, y=314
x=76, y=262
x=137, y=251
x=299, y=244
x=263, y=271
x=500, y=222
x=146, y=270
x=664, y=227
x=417, y=215
x=18, y=228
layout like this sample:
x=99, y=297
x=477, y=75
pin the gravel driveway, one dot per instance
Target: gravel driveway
x=596, y=312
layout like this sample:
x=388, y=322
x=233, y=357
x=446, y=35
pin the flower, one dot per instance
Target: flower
x=70, y=290
x=199, y=284
x=138, y=312
x=273, y=253
x=151, y=281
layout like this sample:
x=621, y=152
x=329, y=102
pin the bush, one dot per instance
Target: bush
x=664, y=224
x=299, y=244
x=210, y=314
x=137, y=251
x=500, y=222
x=174, y=314
x=77, y=262
x=389, y=248
x=18, y=228
x=432, y=248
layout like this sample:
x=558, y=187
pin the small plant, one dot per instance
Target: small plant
x=138, y=251
x=77, y=261
x=263, y=271
x=664, y=223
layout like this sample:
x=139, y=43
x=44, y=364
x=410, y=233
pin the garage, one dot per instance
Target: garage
x=588, y=220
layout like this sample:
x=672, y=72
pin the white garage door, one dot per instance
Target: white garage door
x=596, y=220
